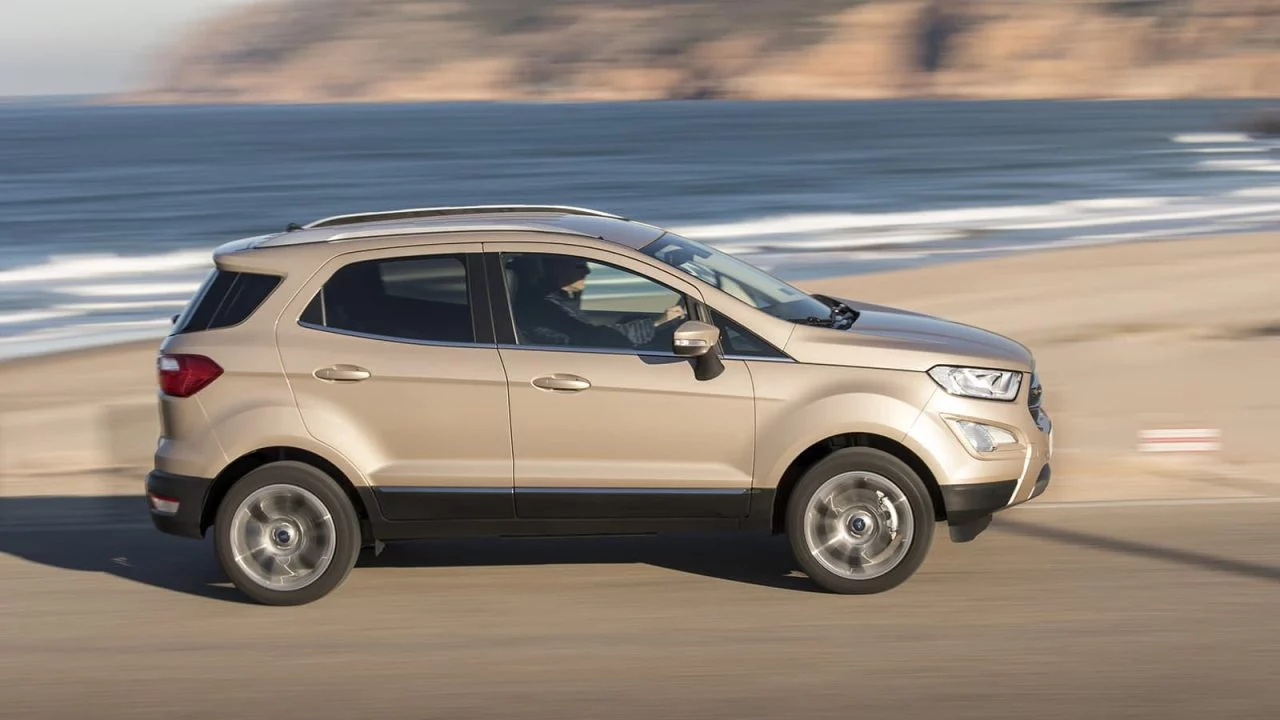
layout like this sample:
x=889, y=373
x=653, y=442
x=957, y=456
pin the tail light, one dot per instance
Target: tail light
x=185, y=375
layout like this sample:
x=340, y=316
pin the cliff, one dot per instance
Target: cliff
x=408, y=50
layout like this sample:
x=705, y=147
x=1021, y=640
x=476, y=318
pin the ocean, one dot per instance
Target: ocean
x=108, y=214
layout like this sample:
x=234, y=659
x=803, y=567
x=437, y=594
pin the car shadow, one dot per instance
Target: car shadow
x=113, y=535
x=1140, y=549
x=746, y=558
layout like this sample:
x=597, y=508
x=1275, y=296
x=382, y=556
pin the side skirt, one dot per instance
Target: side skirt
x=427, y=529
x=404, y=514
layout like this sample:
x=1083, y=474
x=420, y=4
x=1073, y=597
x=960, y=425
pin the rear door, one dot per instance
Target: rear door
x=391, y=357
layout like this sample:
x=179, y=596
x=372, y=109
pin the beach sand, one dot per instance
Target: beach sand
x=1145, y=335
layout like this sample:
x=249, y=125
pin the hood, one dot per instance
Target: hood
x=891, y=338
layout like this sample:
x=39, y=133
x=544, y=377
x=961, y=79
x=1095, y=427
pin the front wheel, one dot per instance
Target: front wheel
x=286, y=534
x=860, y=521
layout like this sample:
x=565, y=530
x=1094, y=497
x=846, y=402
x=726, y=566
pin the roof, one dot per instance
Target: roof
x=477, y=218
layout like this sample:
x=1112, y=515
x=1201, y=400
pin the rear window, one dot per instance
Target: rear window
x=226, y=299
x=422, y=299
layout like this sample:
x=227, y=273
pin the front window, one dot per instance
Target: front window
x=575, y=302
x=746, y=282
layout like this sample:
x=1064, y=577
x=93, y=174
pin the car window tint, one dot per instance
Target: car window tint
x=569, y=301
x=741, y=342
x=417, y=298
x=226, y=299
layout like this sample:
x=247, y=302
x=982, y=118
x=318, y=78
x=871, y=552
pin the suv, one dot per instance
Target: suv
x=533, y=370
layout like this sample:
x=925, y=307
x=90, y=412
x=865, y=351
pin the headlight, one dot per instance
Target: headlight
x=978, y=382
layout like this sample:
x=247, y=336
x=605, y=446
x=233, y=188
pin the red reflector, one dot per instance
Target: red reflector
x=163, y=504
x=185, y=375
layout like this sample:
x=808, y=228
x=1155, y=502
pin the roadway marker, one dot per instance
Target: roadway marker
x=1180, y=440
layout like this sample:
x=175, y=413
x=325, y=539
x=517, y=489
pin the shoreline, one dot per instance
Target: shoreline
x=126, y=101
x=833, y=272
x=1131, y=336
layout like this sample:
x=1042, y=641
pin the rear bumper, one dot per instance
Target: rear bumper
x=189, y=493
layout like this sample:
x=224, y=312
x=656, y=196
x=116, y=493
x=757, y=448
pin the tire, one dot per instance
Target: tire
x=274, y=520
x=838, y=511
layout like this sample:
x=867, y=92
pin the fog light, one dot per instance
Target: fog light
x=984, y=438
x=163, y=505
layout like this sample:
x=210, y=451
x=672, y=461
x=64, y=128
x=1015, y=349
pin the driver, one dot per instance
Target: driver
x=553, y=317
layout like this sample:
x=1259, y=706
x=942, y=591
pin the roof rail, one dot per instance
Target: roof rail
x=458, y=210
x=493, y=227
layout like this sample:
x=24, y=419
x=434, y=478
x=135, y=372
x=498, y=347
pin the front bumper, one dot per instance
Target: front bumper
x=974, y=485
x=969, y=507
x=164, y=490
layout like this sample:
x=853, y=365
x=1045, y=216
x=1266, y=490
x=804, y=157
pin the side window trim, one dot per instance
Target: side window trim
x=478, y=296
x=592, y=351
x=504, y=325
x=388, y=338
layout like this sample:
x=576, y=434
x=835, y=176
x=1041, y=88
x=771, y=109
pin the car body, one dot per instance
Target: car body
x=533, y=370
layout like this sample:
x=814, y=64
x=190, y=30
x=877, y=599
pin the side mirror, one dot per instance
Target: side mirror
x=695, y=339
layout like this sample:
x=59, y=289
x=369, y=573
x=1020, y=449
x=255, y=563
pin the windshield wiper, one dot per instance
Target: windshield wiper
x=819, y=322
x=839, y=312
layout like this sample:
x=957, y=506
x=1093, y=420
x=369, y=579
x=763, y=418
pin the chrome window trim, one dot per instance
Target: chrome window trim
x=402, y=341
x=644, y=353
x=591, y=351
x=753, y=358
x=540, y=348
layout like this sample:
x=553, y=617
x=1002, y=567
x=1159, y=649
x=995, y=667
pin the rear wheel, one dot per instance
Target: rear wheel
x=286, y=534
x=860, y=521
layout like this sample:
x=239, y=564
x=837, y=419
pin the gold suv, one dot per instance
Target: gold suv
x=534, y=370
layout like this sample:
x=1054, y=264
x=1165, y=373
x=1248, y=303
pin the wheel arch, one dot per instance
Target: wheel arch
x=250, y=461
x=825, y=447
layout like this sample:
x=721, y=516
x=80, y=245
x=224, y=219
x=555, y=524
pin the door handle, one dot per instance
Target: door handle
x=343, y=373
x=566, y=383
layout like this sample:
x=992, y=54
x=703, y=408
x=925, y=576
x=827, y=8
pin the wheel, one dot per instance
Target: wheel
x=286, y=534
x=860, y=521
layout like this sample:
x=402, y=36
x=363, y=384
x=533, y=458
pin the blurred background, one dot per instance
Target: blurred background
x=1098, y=178
x=814, y=136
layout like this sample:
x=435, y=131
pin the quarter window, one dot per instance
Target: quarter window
x=226, y=299
x=416, y=298
x=738, y=341
x=569, y=301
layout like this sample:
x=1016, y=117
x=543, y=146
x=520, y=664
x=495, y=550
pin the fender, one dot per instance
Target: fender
x=787, y=436
x=240, y=433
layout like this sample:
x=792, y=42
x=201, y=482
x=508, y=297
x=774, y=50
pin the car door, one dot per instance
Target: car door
x=609, y=422
x=391, y=357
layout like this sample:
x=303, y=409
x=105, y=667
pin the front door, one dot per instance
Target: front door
x=392, y=361
x=606, y=421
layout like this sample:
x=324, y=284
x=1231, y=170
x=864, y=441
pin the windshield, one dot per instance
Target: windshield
x=746, y=282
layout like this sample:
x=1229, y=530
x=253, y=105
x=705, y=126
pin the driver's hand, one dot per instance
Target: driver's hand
x=675, y=312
